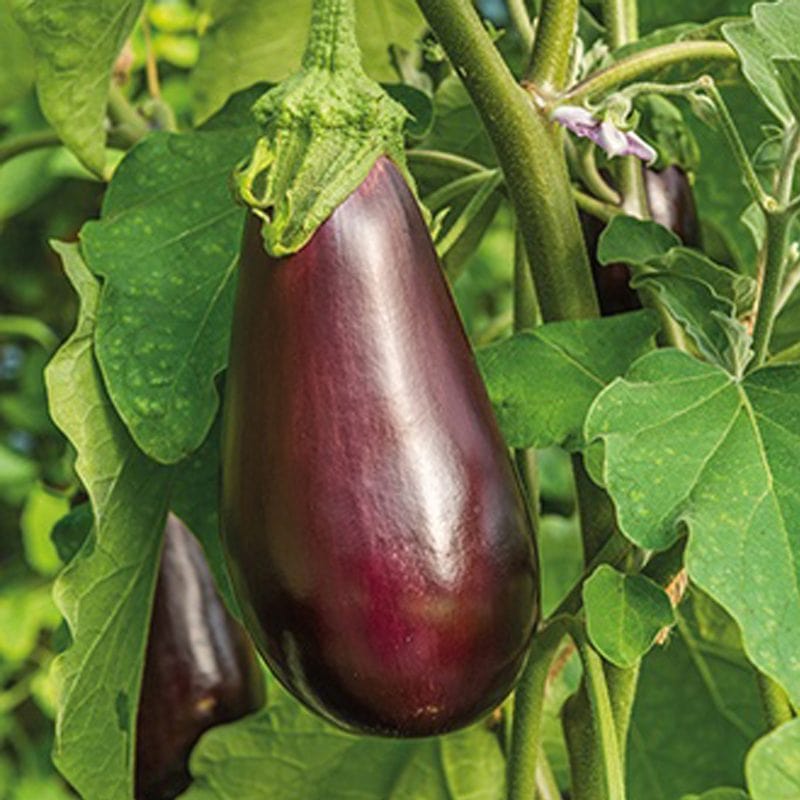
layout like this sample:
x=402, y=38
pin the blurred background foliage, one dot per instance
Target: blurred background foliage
x=46, y=194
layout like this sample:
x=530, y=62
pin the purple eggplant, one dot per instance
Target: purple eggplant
x=671, y=202
x=375, y=530
x=200, y=670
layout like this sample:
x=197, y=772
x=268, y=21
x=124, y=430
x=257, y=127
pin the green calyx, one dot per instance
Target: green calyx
x=323, y=130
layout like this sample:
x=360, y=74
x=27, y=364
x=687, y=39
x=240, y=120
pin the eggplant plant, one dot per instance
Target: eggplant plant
x=465, y=336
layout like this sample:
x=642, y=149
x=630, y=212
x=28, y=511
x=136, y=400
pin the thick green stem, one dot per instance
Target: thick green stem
x=777, y=708
x=616, y=21
x=776, y=243
x=528, y=712
x=549, y=66
x=597, y=208
x=622, y=685
x=596, y=511
x=332, y=41
x=520, y=21
x=532, y=160
x=608, y=776
x=647, y=61
x=26, y=142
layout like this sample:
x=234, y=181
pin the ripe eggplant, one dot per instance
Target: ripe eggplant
x=375, y=530
x=200, y=670
x=671, y=203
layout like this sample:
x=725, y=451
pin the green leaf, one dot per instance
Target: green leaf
x=722, y=793
x=634, y=241
x=286, y=753
x=542, y=382
x=41, y=512
x=75, y=46
x=703, y=296
x=687, y=445
x=250, y=40
x=105, y=592
x=773, y=769
x=769, y=35
x=697, y=708
x=167, y=246
x=624, y=613
x=71, y=531
x=788, y=70
x=16, y=59
x=17, y=474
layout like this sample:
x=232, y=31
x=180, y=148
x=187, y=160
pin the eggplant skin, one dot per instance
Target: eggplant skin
x=375, y=530
x=200, y=670
x=671, y=202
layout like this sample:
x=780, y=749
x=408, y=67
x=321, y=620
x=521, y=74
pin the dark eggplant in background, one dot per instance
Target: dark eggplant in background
x=671, y=202
x=375, y=530
x=200, y=670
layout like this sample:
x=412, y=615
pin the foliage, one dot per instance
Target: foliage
x=121, y=124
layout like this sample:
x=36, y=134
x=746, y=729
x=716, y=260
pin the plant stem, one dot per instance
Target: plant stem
x=604, y=725
x=597, y=208
x=444, y=194
x=622, y=685
x=520, y=21
x=731, y=133
x=777, y=708
x=438, y=158
x=131, y=126
x=546, y=783
x=26, y=142
x=332, y=41
x=615, y=19
x=593, y=180
x=639, y=64
x=596, y=511
x=30, y=328
x=776, y=243
x=549, y=65
x=531, y=157
x=528, y=712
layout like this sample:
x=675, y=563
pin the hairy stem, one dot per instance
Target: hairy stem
x=332, y=41
x=776, y=245
x=643, y=63
x=520, y=21
x=549, y=66
x=531, y=156
x=26, y=142
x=528, y=712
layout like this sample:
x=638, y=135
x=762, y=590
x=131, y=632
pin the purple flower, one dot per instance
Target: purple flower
x=603, y=133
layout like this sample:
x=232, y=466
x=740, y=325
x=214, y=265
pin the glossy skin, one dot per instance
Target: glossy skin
x=375, y=529
x=200, y=670
x=671, y=202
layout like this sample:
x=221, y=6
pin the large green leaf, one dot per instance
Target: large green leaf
x=287, y=753
x=76, y=45
x=624, y=613
x=687, y=445
x=105, y=592
x=252, y=40
x=697, y=708
x=167, y=246
x=542, y=382
x=773, y=766
x=16, y=58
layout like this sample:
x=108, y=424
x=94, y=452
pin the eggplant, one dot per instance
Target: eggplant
x=671, y=203
x=375, y=530
x=200, y=670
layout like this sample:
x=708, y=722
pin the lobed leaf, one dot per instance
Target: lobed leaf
x=286, y=753
x=687, y=445
x=105, y=592
x=167, y=246
x=773, y=769
x=542, y=382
